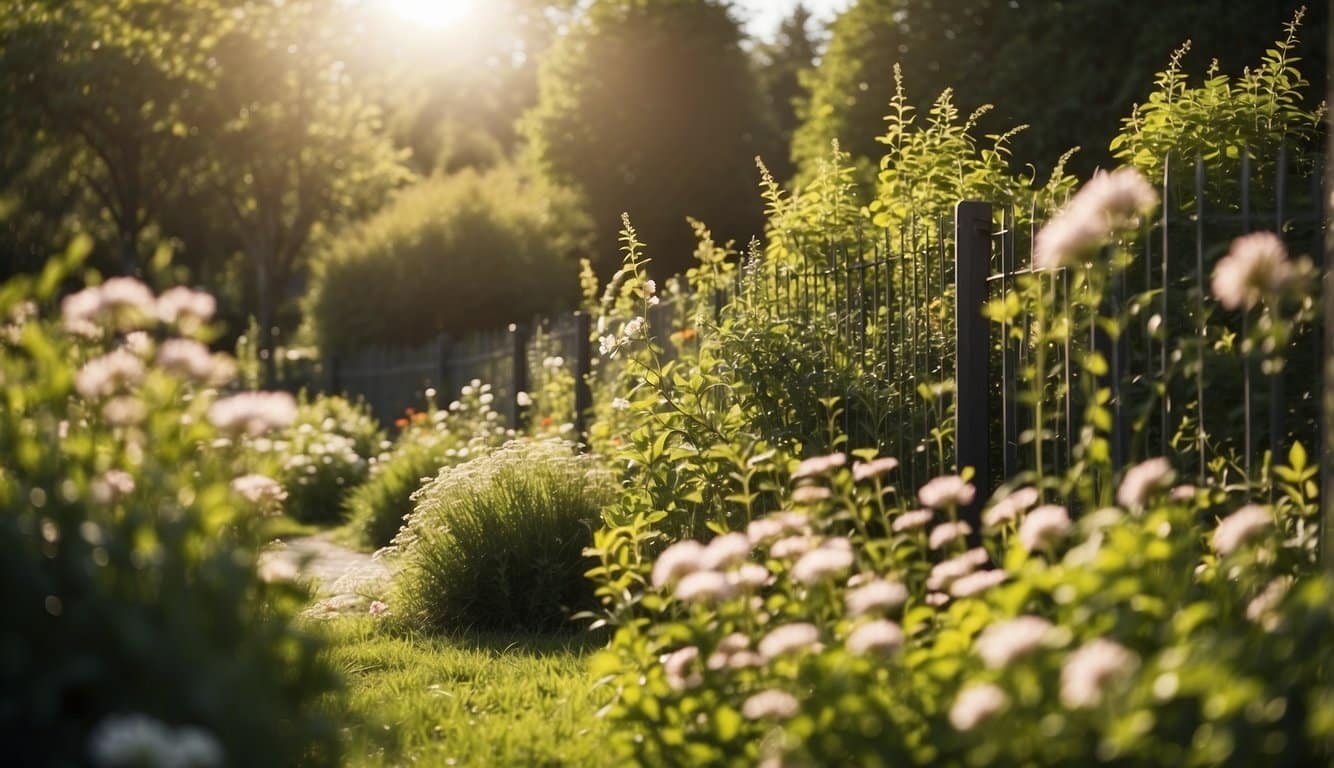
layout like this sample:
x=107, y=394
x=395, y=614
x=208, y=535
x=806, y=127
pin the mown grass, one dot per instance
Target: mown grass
x=489, y=700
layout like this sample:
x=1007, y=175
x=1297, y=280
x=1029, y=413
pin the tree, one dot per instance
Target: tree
x=102, y=89
x=651, y=107
x=783, y=64
x=1069, y=70
x=295, y=146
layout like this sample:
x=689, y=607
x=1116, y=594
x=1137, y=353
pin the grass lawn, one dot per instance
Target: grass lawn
x=481, y=701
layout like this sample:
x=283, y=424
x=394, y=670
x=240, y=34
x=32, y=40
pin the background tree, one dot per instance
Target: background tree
x=1070, y=70
x=651, y=107
x=296, y=147
x=783, y=64
x=97, y=92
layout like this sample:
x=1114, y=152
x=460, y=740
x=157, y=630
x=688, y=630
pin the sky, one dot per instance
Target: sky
x=762, y=16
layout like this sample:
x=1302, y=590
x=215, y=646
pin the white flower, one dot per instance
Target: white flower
x=112, y=485
x=135, y=740
x=792, y=546
x=977, y=583
x=1108, y=202
x=1087, y=672
x=1183, y=493
x=633, y=327
x=1009, y=508
x=650, y=287
x=124, y=411
x=945, y=492
x=704, y=587
x=1241, y=526
x=554, y=362
x=809, y=494
x=878, y=595
x=253, y=413
x=186, y=308
x=1255, y=267
x=946, y=533
x=1261, y=608
x=1143, y=480
x=878, y=637
x=1002, y=643
x=186, y=358
x=679, y=559
x=259, y=489
x=822, y=563
x=819, y=465
x=619, y=404
x=764, y=530
x=975, y=704
x=523, y=399
x=772, y=704
x=910, y=521
x=1043, y=527
x=789, y=639
x=677, y=667
x=725, y=551
x=81, y=309
x=865, y=470
x=944, y=573
x=377, y=608
x=936, y=599
x=750, y=576
x=728, y=648
x=108, y=374
x=607, y=345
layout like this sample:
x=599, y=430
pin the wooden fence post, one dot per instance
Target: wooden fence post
x=972, y=267
x=583, y=369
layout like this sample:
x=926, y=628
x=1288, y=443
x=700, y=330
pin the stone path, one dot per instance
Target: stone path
x=344, y=581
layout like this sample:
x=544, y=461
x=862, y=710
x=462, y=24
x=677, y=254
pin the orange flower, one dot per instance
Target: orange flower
x=546, y=421
x=400, y=423
x=687, y=334
x=418, y=418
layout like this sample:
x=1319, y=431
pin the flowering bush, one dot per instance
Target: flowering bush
x=1173, y=629
x=429, y=440
x=322, y=456
x=498, y=542
x=136, y=627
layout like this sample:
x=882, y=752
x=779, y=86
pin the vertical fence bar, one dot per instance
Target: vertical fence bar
x=1327, y=399
x=1010, y=355
x=1202, y=332
x=972, y=257
x=1165, y=408
x=583, y=370
x=1276, y=404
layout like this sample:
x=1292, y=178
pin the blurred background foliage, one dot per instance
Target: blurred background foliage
x=263, y=141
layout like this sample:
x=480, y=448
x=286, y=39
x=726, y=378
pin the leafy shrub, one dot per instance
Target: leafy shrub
x=430, y=440
x=452, y=254
x=322, y=457
x=135, y=618
x=498, y=542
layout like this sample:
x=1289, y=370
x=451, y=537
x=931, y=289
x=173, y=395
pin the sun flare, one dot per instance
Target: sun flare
x=435, y=14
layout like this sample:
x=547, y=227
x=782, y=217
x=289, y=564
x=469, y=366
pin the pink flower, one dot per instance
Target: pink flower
x=947, y=533
x=377, y=608
x=975, y=705
x=1142, y=481
x=862, y=471
x=1255, y=267
x=977, y=583
x=819, y=465
x=878, y=595
x=253, y=413
x=822, y=563
x=876, y=637
x=1089, y=671
x=945, y=492
x=1002, y=643
x=1108, y=202
x=1240, y=527
x=1043, y=527
x=790, y=639
x=677, y=666
x=676, y=561
x=1009, y=508
x=909, y=521
x=770, y=705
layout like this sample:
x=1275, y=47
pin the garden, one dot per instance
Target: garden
x=627, y=382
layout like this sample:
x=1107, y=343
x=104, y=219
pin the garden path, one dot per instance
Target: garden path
x=343, y=581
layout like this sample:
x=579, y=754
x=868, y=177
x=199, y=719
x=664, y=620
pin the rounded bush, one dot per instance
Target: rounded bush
x=323, y=456
x=452, y=254
x=498, y=543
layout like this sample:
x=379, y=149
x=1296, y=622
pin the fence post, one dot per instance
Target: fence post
x=583, y=369
x=518, y=334
x=972, y=266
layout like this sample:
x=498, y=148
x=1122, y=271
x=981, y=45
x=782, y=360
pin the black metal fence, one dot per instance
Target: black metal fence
x=887, y=337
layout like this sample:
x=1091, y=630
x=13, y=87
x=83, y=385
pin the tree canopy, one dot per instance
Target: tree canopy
x=651, y=107
x=1068, y=70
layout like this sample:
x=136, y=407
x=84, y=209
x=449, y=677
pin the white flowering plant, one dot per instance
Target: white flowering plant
x=135, y=617
x=321, y=457
x=1176, y=628
x=427, y=441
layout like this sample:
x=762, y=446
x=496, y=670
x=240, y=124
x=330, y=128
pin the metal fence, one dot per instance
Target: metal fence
x=887, y=337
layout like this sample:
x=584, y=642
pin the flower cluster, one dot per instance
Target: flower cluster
x=1107, y=203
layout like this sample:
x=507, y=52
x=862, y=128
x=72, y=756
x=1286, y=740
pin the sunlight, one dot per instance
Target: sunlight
x=435, y=14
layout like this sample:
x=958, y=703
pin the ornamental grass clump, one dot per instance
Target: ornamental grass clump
x=498, y=543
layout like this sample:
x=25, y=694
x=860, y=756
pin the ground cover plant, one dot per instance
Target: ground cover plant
x=138, y=630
